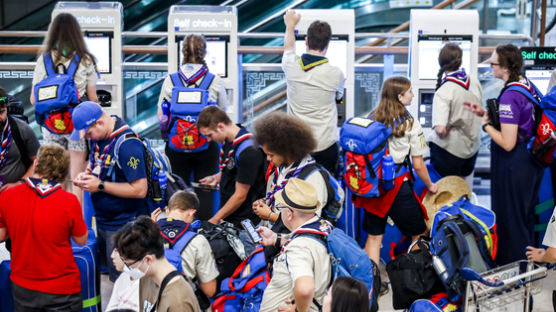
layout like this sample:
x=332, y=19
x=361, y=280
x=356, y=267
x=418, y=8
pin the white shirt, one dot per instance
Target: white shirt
x=312, y=97
x=550, y=234
x=125, y=294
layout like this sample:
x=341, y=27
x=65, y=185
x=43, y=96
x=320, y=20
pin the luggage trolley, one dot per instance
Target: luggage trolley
x=519, y=281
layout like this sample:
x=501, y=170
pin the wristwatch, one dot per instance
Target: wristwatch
x=485, y=125
x=101, y=186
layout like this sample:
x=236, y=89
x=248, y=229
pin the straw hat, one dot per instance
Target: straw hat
x=299, y=195
x=450, y=189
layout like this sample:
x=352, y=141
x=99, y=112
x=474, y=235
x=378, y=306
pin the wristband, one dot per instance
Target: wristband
x=269, y=214
x=484, y=126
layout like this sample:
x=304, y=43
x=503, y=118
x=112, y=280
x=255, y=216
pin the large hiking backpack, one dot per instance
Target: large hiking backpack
x=157, y=166
x=185, y=107
x=483, y=217
x=226, y=246
x=460, y=254
x=365, y=143
x=543, y=143
x=346, y=256
x=243, y=291
x=334, y=206
x=55, y=97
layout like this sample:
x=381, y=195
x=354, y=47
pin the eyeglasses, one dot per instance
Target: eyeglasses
x=492, y=64
x=129, y=265
x=280, y=206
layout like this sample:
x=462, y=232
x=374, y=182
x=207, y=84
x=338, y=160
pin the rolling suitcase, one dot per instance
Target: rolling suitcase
x=86, y=258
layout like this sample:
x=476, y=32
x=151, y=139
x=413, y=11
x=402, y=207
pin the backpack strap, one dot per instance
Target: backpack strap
x=165, y=282
x=48, y=64
x=184, y=241
x=207, y=81
x=126, y=136
x=241, y=147
x=74, y=64
x=309, y=169
x=16, y=135
x=176, y=80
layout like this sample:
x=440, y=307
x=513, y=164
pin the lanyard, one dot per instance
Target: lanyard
x=224, y=161
x=99, y=160
x=6, y=140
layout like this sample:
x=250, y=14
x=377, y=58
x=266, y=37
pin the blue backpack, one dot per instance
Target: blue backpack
x=333, y=208
x=462, y=243
x=54, y=96
x=243, y=291
x=365, y=143
x=185, y=107
x=346, y=256
x=157, y=164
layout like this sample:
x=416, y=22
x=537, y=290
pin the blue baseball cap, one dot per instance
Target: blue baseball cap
x=84, y=115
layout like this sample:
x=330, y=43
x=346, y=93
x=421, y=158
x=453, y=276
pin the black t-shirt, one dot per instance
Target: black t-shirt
x=246, y=168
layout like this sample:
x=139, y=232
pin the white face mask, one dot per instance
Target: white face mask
x=135, y=273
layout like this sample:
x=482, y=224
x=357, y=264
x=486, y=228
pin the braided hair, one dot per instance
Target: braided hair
x=194, y=50
x=449, y=59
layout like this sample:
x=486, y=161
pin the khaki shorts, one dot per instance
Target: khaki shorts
x=64, y=141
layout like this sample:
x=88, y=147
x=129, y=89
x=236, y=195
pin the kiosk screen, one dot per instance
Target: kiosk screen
x=429, y=48
x=99, y=45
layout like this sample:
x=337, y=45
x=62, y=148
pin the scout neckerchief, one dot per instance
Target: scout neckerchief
x=309, y=61
x=193, y=78
x=6, y=140
x=319, y=228
x=293, y=172
x=43, y=187
x=459, y=77
x=172, y=229
x=229, y=157
x=100, y=161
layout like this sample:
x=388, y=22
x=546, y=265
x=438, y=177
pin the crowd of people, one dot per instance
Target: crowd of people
x=272, y=177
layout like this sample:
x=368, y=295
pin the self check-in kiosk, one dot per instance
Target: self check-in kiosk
x=430, y=30
x=102, y=25
x=340, y=51
x=218, y=24
x=539, y=63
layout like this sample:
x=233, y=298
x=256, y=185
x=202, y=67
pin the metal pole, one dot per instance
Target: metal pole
x=543, y=23
x=534, y=19
x=485, y=16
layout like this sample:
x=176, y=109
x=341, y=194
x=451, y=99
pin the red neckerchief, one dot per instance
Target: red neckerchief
x=459, y=77
x=193, y=78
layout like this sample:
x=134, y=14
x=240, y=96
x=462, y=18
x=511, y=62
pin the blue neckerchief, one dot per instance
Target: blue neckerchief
x=172, y=229
x=310, y=61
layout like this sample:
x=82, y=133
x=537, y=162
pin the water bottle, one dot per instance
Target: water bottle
x=440, y=268
x=388, y=172
x=163, y=181
x=165, y=107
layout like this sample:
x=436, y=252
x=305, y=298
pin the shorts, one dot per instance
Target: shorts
x=447, y=164
x=64, y=141
x=405, y=212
